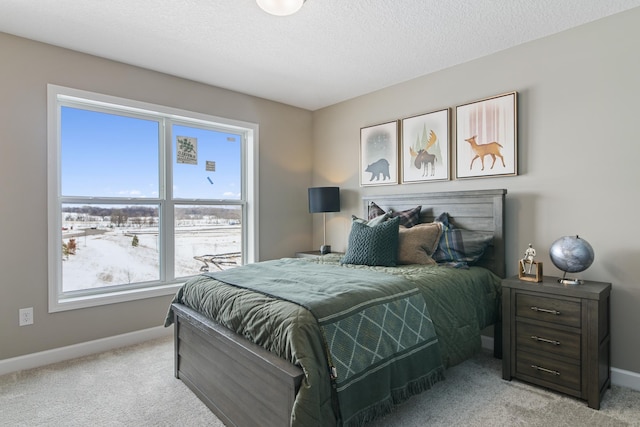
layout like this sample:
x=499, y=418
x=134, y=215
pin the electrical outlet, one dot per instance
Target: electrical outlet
x=26, y=316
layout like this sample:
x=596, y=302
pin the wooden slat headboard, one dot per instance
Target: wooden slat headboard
x=479, y=210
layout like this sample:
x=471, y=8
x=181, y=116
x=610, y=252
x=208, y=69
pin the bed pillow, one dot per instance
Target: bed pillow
x=375, y=210
x=417, y=244
x=371, y=222
x=458, y=245
x=443, y=218
x=377, y=245
x=408, y=218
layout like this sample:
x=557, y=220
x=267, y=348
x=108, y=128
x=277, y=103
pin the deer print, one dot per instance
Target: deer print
x=491, y=149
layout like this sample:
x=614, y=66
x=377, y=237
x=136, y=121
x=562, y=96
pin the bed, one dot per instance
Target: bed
x=245, y=384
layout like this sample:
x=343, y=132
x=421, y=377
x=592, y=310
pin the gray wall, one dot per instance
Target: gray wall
x=578, y=149
x=25, y=70
x=577, y=146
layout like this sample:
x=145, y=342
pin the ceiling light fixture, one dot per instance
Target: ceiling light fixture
x=280, y=7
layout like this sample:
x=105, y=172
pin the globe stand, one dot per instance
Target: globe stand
x=569, y=281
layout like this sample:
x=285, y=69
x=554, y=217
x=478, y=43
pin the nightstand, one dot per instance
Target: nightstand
x=557, y=336
x=313, y=254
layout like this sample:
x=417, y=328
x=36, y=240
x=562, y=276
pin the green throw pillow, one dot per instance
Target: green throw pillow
x=371, y=222
x=376, y=245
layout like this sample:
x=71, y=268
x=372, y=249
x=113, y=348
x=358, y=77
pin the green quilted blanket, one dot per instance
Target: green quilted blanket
x=381, y=344
x=461, y=303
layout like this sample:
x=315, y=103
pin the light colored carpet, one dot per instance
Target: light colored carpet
x=131, y=386
x=474, y=394
x=134, y=386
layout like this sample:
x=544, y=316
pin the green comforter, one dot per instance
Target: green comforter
x=461, y=303
x=380, y=342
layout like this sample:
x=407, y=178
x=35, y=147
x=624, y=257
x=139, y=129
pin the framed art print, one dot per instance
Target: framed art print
x=486, y=137
x=379, y=154
x=424, y=147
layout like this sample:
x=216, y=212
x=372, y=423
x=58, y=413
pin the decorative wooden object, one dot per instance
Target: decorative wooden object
x=536, y=276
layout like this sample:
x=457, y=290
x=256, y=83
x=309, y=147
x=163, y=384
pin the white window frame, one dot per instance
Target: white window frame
x=57, y=96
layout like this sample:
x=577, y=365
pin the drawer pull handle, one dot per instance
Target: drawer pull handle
x=539, y=339
x=545, y=310
x=548, y=371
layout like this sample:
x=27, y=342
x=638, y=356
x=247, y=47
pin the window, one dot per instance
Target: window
x=143, y=196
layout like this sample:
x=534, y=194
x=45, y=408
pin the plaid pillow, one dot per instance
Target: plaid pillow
x=443, y=218
x=375, y=210
x=408, y=218
x=458, y=245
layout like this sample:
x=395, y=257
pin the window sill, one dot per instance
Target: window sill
x=63, y=304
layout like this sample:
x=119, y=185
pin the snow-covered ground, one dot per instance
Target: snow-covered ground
x=106, y=257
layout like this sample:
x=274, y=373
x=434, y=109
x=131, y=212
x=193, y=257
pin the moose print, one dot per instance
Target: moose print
x=422, y=160
x=481, y=150
x=379, y=168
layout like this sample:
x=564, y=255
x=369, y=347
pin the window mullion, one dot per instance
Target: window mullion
x=168, y=221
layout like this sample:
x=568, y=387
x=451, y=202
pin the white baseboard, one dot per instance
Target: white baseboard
x=55, y=355
x=619, y=377
x=624, y=378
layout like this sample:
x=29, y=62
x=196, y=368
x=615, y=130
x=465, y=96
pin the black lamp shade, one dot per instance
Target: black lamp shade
x=324, y=199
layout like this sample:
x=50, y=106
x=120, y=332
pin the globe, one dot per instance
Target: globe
x=571, y=254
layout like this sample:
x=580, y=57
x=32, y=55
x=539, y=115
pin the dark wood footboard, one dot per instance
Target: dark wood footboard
x=242, y=383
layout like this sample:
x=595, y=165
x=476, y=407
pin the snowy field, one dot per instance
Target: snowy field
x=106, y=257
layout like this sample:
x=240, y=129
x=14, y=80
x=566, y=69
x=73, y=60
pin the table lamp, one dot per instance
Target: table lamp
x=324, y=199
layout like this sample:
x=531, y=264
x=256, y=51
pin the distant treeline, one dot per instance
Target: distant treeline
x=98, y=211
x=136, y=211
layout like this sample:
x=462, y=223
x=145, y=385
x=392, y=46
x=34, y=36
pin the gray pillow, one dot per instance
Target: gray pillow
x=371, y=222
x=377, y=245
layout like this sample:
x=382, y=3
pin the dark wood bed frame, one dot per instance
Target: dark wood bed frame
x=246, y=385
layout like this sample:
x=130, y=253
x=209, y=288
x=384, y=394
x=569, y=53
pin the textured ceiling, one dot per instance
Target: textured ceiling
x=330, y=51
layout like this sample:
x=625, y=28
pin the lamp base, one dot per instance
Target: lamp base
x=325, y=249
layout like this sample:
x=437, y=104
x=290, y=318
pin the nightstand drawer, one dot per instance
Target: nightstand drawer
x=540, y=339
x=550, y=370
x=554, y=310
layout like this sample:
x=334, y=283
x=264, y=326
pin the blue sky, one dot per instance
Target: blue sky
x=106, y=155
